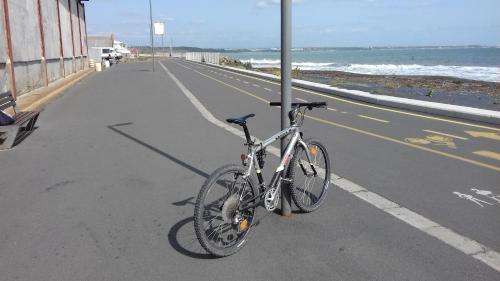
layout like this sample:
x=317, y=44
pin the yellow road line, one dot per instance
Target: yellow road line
x=447, y=135
x=375, y=106
x=488, y=154
x=374, y=119
x=463, y=159
x=470, y=161
x=229, y=85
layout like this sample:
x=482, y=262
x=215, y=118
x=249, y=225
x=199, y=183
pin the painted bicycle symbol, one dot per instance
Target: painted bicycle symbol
x=433, y=139
x=487, y=197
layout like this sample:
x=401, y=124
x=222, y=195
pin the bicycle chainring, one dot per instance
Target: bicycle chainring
x=269, y=202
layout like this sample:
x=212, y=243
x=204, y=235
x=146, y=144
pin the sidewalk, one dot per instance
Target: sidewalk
x=104, y=190
x=37, y=98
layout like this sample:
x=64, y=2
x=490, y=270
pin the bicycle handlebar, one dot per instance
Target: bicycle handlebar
x=309, y=105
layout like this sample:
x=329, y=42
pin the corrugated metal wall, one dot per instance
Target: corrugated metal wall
x=37, y=61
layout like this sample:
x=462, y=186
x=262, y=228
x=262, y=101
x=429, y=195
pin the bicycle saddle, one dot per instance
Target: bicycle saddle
x=240, y=121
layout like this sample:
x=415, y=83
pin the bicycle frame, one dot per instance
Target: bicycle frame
x=252, y=162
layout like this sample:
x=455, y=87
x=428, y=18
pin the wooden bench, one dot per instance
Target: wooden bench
x=24, y=123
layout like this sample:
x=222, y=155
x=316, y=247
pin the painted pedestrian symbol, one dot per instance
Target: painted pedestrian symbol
x=487, y=193
x=472, y=198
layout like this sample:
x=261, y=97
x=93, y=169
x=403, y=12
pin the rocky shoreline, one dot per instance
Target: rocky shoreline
x=443, y=89
x=479, y=94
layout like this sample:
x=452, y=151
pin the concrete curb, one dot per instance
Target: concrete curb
x=443, y=109
x=37, y=99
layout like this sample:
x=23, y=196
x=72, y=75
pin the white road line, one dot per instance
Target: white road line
x=246, y=82
x=446, y=235
x=255, y=85
x=302, y=100
x=267, y=89
x=372, y=118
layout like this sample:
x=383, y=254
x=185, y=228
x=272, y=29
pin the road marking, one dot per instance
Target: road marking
x=267, y=89
x=443, y=134
x=255, y=85
x=473, y=199
x=419, y=147
x=246, y=82
x=486, y=193
x=302, y=100
x=446, y=235
x=488, y=154
x=371, y=118
x=231, y=86
x=344, y=112
x=238, y=79
x=433, y=139
x=488, y=135
x=331, y=109
x=372, y=106
x=452, y=156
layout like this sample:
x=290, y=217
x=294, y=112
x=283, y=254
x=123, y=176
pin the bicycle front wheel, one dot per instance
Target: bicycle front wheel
x=221, y=228
x=308, y=189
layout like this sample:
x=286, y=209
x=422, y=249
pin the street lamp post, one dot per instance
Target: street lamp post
x=286, y=88
x=152, y=38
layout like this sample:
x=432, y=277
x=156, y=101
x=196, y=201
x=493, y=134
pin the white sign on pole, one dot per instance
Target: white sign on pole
x=159, y=28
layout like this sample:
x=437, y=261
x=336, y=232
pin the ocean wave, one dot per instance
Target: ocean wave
x=482, y=73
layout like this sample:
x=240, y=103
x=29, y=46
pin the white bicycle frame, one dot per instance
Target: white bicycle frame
x=252, y=162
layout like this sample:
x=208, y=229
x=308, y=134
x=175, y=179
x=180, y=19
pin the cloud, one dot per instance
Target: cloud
x=262, y=4
x=267, y=3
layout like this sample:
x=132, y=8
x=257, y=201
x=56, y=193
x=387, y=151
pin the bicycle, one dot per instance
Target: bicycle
x=226, y=204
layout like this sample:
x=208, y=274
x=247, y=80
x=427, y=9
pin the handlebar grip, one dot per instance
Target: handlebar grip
x=319, y=104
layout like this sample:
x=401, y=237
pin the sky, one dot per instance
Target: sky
x=316, y=23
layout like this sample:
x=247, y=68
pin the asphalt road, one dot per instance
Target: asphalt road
x=104, y=188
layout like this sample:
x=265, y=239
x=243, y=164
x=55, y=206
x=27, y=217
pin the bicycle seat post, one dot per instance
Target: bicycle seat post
x=247, y=134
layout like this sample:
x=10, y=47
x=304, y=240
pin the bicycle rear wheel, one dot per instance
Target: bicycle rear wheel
x=220, y=227
x=308, y=190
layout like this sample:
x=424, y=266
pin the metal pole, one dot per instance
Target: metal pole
x=151, y=27
x=286, y=88
x=171, y=46
x=43, y=60
x=72, y=36
x=10, y=56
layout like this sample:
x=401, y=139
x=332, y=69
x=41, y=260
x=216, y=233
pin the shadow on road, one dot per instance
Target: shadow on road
x=183, y=239
x=160, y=152
x=187, y=201
x=181, y=236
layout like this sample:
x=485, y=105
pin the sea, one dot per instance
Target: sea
x=475, y=63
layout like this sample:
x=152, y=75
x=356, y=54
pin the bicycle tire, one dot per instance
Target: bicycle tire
x=224, y=208
x=301, y=191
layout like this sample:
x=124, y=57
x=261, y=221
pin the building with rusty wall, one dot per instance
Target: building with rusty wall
x=41, y=41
